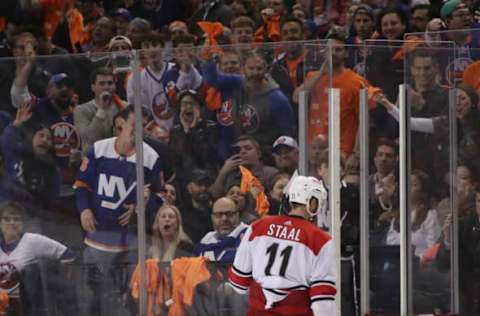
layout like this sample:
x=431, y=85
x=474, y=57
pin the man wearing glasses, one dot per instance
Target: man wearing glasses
x=455, y=25
x=221, y=244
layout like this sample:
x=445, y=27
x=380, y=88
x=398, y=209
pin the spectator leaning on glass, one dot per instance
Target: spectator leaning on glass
x=105, y=191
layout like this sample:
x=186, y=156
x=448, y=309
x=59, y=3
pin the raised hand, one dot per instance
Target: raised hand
x=24, y=113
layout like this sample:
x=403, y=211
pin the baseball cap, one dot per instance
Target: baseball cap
x=119, y=38
x=60, y=78
x=448, y=7
x=124, y=13
x=364, y=9
x=285, y=141
x=201, y=176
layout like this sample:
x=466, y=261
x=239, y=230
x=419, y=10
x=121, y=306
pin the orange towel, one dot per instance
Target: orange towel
x=272, y=26
x=3, y=302
x=251, y=184
x=158, y=288
x=429, y=255
x=79, y=33
x=187, y=273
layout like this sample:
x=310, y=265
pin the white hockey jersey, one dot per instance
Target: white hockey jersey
x=289, y=265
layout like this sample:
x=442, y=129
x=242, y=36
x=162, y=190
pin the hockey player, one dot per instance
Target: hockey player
x=287, y=262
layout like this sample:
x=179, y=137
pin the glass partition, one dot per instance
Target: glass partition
x=457, y=208
x=205, y=111
x=430, y=100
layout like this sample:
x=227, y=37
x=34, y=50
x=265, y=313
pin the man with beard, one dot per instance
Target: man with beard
x=285, y=153
x=259, y=108
x=364, y=26
x=454, y=25
x=197, y=210
x=221, y=244
x=94, y=119
x=343, y=78
x=56, y=111
x=104, y=30
x=247, y=152
x=288, y=69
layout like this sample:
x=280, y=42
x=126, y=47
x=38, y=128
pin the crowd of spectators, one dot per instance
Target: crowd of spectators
x=220, y=82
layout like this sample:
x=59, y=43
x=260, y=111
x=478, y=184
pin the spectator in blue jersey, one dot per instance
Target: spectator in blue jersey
x=159, y=146
x=94, y=119
x=259, y=108
x=55, y=111
x=31, y=175
x=197, y=205
x=105, y=191
x=193, y=141
x=169, y=241
x=219, y=104
x=221, y=243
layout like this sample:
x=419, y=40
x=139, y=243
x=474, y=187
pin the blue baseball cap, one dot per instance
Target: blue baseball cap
x=61, y=78
x=124, y=13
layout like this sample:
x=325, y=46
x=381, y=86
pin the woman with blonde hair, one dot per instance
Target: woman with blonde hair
x=169, y=241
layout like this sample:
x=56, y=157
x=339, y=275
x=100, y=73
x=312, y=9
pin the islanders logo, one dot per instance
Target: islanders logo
x=224, y=114
x=249, y=118
x=161, y=106
x=65, y=138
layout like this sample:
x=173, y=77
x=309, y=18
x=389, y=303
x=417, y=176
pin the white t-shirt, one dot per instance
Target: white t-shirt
x=30, y=249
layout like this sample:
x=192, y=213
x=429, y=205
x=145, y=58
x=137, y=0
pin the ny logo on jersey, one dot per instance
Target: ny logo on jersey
x=108, y=186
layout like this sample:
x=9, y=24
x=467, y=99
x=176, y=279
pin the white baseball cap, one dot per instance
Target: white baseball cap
x=285, y=141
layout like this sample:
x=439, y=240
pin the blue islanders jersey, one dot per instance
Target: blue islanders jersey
x=221, y=249
x=105, y=183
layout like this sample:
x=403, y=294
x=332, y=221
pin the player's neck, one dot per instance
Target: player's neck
x=298, y=212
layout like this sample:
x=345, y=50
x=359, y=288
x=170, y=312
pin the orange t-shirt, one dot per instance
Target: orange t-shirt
x=349, y=84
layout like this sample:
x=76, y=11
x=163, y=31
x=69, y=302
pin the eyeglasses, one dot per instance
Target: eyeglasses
x=14, y=219
x=462, y=14
x=228, y=214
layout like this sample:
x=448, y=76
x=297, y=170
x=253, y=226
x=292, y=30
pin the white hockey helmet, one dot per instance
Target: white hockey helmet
x=302, y=189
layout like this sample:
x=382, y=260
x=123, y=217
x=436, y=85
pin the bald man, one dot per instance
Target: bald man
x=221, y=243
